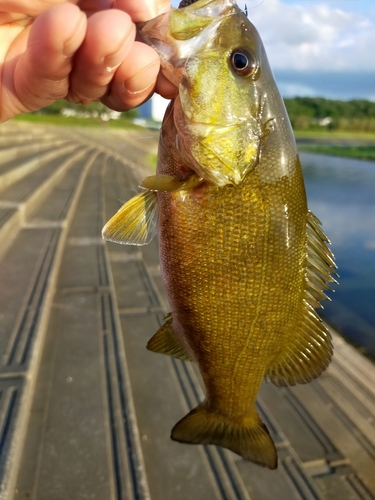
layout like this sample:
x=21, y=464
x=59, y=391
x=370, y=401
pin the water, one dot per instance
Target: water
x=341, y=193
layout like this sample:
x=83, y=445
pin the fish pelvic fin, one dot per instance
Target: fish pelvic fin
x=166, y=341
x=136, y=221
x=161, y=182
x=167, y=183
x=248, y=437
x=309, y=352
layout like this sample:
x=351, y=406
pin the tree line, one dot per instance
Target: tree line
x=318, y=112
x=304, y=112
x=94, y=109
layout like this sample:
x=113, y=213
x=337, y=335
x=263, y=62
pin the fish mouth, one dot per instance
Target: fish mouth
x=211, y=8
x=186, y=3
x=176, y=35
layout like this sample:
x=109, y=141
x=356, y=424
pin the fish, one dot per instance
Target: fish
x=245, y=263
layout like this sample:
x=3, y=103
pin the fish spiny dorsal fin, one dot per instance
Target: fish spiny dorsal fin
x=309, y=352
x=166, y=341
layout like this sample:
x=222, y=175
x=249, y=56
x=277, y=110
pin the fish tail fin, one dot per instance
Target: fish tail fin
x=249, y=437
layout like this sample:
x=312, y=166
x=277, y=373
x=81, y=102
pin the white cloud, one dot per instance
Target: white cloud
x=318, y=35
x=370, y=245
x=318, y=47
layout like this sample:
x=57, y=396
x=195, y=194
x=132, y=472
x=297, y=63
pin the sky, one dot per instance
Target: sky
x=318, y=47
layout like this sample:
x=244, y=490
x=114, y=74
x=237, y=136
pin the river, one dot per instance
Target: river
x=341, y=193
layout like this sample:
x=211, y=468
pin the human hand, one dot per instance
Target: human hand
x=80, y=50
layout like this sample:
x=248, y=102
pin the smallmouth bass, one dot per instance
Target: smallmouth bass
x=243, y=260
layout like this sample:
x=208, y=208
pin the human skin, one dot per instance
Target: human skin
x=80, y=50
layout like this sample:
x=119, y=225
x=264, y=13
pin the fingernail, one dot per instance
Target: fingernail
x=161, y=7
x=138, y=83
x=113, y=61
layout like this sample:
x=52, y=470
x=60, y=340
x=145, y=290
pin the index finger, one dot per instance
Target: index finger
x=142, y=10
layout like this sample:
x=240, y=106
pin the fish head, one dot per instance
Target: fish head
x=214, y=55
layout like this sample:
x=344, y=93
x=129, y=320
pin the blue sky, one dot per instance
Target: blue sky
x=318, y=47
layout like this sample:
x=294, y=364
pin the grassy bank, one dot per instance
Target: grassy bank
x=75, y=121
x=334, y=135
x=359, y=152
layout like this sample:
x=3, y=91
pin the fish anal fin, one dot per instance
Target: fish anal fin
x=249, y=438
x=309, y=350
x=136, y=221
x=166, y=341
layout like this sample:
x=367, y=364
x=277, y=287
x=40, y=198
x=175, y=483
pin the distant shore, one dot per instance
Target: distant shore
x=357, y=152
x=336, y=136
x=335, y=143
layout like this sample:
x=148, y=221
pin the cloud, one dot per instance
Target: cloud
x=318, y=47
x=314, y=35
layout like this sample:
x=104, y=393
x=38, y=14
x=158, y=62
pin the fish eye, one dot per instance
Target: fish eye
x=243, y=62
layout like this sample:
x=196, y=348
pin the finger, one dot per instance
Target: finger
x=41, y=72
x=109, y=38
x=135, y=79
x=142, y=10
x=30, y=8
x=89, y=7
x=165, y=88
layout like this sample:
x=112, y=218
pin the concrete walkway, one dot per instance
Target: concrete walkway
x=85, y=410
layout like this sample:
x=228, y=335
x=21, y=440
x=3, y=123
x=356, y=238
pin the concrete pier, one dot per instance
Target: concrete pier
x=85, y=410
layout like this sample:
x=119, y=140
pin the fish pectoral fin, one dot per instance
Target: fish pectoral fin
x=166, y=341
x=248, y=437
x=136, y=221
x=309, y=352
x=164, y=182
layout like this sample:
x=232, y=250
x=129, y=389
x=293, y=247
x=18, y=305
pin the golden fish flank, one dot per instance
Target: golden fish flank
x=243, y=260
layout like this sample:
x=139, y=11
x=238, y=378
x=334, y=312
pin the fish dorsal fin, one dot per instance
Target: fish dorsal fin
x=166, y=341
x=136, y=221
x=309, y=351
